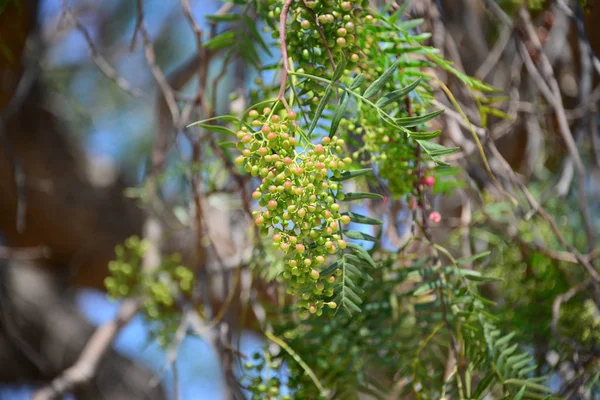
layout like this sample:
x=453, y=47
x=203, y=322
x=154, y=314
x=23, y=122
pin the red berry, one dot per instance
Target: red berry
x=428, y=181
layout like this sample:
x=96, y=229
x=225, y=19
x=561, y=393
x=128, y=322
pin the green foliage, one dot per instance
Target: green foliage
x=352, y=121
x=159, y=288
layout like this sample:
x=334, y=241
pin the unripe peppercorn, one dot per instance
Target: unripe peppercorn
x=253, y=113
x=345, y=219
x=239, y=160
x=305, y=24
x=300, y=248
x=259, y=221
x=256, y=195
x=314, y=274
x=272, y=205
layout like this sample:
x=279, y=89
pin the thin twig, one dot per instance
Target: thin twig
x=84, y=370
x=158, y=74
x=104, y=66
x=284, y=53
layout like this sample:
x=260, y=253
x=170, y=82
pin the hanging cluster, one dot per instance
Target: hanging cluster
x=298, y=195
x=159, y=286
x=392, y=151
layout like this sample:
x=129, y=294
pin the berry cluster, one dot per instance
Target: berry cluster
x=298, y=198
x=260, y=386
x=339, y=23
x=159, y=287
x=392, y=151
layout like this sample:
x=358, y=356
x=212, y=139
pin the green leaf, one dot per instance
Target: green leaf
x=379, y=82
x=339, y=70
x=330, y=269
x=362, y=219
x=351, y=269
x=528, y=384
x=484, y=384
x=425, y=135
x=418, y=120
x=505, y=339
x=217, y=128
x=229, y=118
x=361, y=195
x=357, y=81
x=227, y=145
x=408, y=25
x=436, y=150
x=344, y=176
x=521, y=393
x=363, y=254
x=320, y=108
x=427, y=287
x=223, y=18
x=350, y=307
x=397, y=94
x=251, y=24
x=221, y=41
x=338, y=114
x=359, y=235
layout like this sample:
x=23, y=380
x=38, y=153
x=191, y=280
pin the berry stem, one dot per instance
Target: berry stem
x=321, y=33
x=284, y=53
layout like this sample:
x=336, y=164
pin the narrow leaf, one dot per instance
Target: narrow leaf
x=359, y=235
x=361, y=195
x=425, y=135
x=436, y=150
x=397, y=94
x=362, y=219
x=338, y=114
x=418, y=120
x=218, y=129
x=339, y=69
x=351, y=174
x=379, y=82
x=363, y=254
x=320, y=109
x=227, y=145
x=225, y=39
x=357, y=81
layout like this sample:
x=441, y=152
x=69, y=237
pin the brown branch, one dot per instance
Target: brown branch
x=104, y=66
x=563, y=125
x=158, y=74
x=86, y=366
x=284, y=53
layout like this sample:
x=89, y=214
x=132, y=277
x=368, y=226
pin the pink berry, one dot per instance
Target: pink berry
x=429, y=181
x=435, y=217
